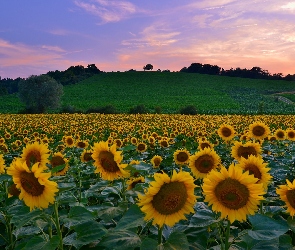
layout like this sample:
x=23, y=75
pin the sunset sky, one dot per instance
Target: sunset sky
x=39, y=36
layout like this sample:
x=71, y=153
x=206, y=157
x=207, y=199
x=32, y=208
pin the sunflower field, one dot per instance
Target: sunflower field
x=77, y=181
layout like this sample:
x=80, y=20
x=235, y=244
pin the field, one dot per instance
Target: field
x=88, y=181
x=170, y=92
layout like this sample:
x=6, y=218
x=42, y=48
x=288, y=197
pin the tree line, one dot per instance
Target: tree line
x=254, y=72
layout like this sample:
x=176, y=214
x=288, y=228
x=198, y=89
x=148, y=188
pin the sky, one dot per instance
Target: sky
x=37, y=36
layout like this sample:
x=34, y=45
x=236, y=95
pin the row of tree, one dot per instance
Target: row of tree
x=254, y=72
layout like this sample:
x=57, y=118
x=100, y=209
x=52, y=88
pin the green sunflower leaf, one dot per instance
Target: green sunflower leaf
x=38, y=242
x=148, y=244
x=176, y=240
x=266, y=228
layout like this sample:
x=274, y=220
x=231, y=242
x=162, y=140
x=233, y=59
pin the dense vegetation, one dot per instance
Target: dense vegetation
x=168, y=92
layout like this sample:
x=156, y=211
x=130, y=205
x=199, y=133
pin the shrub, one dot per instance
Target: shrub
x=188, y=110
x=109, y=109
x=139, y=109
x=158, y=110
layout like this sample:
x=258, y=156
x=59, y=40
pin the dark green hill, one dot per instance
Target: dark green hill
x=171, y=91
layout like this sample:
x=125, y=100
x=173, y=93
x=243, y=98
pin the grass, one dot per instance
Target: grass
x=171, y=91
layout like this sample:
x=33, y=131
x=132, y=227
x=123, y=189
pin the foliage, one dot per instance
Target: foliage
x=188, y=110
x=39, y=93
x=108, y=109
x=148, y=67
x=139, y=109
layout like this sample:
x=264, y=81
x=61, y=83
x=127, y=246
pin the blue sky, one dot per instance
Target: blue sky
x=38, y=36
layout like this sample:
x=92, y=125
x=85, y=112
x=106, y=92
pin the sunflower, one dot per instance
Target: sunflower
x=69, y=141
x=202, y=162
x=107, y=161
x=202, y=144
x=181, y=156
x=133, y=181
x=280, y=134
x=13, y=191
x=167, y=200
x=119, y=143
x=226, y=132
x=2, y=164
x=156, y=161
x=82, y=144
x=232, y=193
x=86, y=156
x=141, y=147
x=257, y=167
x=290, y=134
x=240, y=150
x=57, y=160
x=35, y=152
x=164, y=143
x=133, y=140
x=36, y=190
x=258, y=130
x=134, y=162
x=287, y=194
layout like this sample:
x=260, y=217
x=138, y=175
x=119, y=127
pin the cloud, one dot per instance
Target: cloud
x=108, y=11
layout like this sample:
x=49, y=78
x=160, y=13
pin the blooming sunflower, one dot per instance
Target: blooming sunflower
x=82, y=144
x=287, y=194
x=107, y=161
x=226, y=132
x=164, y=143
x=69, y=141
x=240, y=150
x=202, y=144
x=133, y=181
x=58, y=159
x=258, y=130
x=156, y=161
x=36, y=190
x=141, y=147
x=232, y=192
x=202, y=162
x=257, y=167
x=2, y=164
x=290, y=133
x=280, y=134
x=181, y=156
x=35, y=152
x=86, y=156
x=167, y=200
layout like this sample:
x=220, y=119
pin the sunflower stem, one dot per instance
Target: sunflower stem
x=160, y=231
x=57, y=225
x=7, y=219
x=227, y=233
x=261, y=207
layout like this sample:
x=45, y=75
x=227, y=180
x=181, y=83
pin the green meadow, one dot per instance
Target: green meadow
x=171, y=91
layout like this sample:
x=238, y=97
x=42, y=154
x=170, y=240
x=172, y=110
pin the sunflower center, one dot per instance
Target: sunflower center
x=33, y=157
x=107, y=161
x=291, y=134
x=13, y=190
x=141, y=147
x=204, y=163
x=182, y=157
x=226, y=132
x=157, y=162
x=31, y=184
x=280, y=134
x=135, y=182
x=87, y=157
x=258, y=130
x=164, y=143
x=291, y=197
x=205, y=145
x=81, y=144
x=70, y=141
x=232, y=194
x=246, y=151
x=253, y=169
x=170, y=198
x=57, y=161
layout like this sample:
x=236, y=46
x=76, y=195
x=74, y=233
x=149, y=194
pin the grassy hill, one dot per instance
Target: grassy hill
x=171, y=91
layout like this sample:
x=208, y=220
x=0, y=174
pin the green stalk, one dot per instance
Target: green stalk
x=7, y=219
x=227, y=233
x=57, y=225
x=160, y=231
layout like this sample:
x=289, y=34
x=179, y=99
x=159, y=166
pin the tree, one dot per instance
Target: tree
x=148, y=67
x=40, y=93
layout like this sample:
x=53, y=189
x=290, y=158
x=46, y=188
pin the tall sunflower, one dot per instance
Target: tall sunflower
x=258, y=130
x=36, y=190
x=256, y=167
x=290, y=134
x=287, y=194
x=107, y=161
x=167, y=200
x=202, y=162
x=57, y=160
x=35, y=152
x=2, y=164
x=181, y=156
x=240, y=150
x=232, y=193
x=280, y=134
x=226, y=132
x=156, y=161
x=86, y=156
x=133, y=181
x=141, y=147
x=202, y=144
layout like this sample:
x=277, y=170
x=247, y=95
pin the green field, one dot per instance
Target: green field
x=171, y=91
